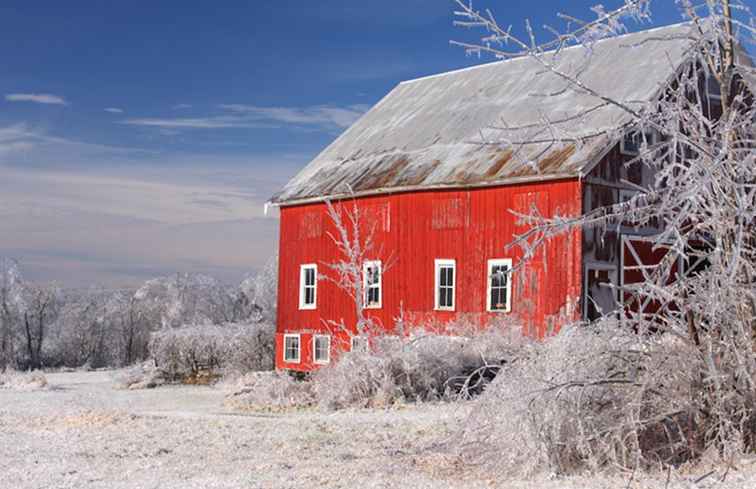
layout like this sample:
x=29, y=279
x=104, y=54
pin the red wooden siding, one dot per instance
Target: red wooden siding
x=470, y=226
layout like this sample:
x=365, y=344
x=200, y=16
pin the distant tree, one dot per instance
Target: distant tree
x=11, y=307
x=41, y=307
x=257, y=295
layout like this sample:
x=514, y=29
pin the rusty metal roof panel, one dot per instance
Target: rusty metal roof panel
x=429, y=132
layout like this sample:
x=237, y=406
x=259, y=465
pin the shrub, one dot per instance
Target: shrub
x=270, y=391
x=186, y=352
x=23, y=381
x=594, y=397
x=145, y=376
x=419, y=368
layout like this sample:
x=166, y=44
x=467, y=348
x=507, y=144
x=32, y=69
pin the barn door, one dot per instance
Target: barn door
x=600, y=286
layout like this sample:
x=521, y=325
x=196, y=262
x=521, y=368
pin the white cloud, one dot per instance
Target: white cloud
x=219, y=122
x=316, y=115
x=181, y=106
x=324, y=117
x=38, y=98
x=19, y=138
x=114, y=110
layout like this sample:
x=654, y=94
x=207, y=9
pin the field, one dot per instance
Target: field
x=83, y=433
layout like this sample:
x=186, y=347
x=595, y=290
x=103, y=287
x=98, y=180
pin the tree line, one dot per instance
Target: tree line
x=43, y=325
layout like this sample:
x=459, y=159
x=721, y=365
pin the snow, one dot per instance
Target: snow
x=83, y=433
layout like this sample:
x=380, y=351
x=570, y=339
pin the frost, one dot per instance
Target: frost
x=675, y=379
x=191, y=351
x=23, y=381
x=42, y=325
x=422, y=367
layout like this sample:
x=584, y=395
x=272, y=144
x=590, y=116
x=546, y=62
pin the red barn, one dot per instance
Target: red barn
x=444, y=203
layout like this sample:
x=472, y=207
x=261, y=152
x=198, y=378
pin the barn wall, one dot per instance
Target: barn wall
x=414, y=229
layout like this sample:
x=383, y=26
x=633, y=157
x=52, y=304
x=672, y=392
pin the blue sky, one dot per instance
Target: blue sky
x=140, y=138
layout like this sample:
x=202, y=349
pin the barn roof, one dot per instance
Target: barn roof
x=427, y=133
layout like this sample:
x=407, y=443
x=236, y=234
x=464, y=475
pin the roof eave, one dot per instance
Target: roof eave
x=424, y=188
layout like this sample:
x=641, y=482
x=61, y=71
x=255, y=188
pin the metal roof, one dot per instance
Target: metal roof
x=427, y=133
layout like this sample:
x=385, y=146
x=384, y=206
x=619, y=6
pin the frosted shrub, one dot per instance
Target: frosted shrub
x=270, y=391
x=358, y=380
x=252, y=348
x=424, y=367
x=419, y=368
x=23, y=381
x=145, y=376
x=188, y=351
x=589, y=398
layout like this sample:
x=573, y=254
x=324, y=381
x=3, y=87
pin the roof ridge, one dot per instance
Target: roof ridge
x=517, y=58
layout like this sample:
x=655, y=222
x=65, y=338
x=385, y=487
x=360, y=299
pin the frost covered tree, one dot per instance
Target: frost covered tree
x=41, y=308
x=668, y=382
x=11, y=306
x=132, y=321
x=186, y=298
x=42, y=325
x=257, y=295
x=362, y=261
x=79, y=330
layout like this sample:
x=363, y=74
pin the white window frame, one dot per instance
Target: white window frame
x=315, y=339
x=440, y=264
x=651, y=137
x=365, y=266
x=354, y=344
x=499, y=262
x=298, y=358
x=302, y=286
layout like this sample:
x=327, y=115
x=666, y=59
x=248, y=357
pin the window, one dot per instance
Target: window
x=371, y=278
x=308, y=287
x=446, y=271
x=321, y=349
x=633, y=141
x=291, y=348
x=499, y=285
x=359, y=344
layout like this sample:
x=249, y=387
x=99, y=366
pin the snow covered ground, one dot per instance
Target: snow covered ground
x=82, y=433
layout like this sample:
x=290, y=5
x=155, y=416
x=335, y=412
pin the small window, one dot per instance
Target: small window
x=446, y=276
x=359, y=344
x=633, y=141
x=321, y=349
x=308, y=287
x=499, y=285
x=371, y=276
x=292, y=348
